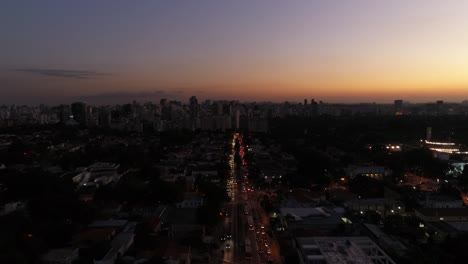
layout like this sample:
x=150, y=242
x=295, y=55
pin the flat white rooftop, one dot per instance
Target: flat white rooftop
x=342, y=250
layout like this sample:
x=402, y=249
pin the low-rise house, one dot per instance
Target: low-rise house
x=383, y=206
x=149, y=211
x=341, y=195
x=118, y=247
x=205, y=171
x=168, y=251
x=94, y=243
x=313, y=219
x=443, y=214
x=330, y=250
x=442, y=230
x=374, y=172
x=303, y=198
x=106, y=240
x=183, y=224
x=60, y=256
x=99, y=173
x=442, y=201
x=111, y=223
x=385, y=241
x=191, y=200
x=155, y=217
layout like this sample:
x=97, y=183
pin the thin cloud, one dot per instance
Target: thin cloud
x=73, y=74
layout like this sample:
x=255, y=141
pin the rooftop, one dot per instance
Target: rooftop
x=435, y=212
x=59, y=254
x=313, y=216
x=182, y=216
x=109, y=223
x=342, y=250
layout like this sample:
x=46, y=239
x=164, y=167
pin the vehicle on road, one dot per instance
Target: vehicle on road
x=250, y=223
x=248, y=249
x=260, y=250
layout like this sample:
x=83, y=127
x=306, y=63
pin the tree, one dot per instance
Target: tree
x=266, y=204
x=373, y=217
x=167, y=192
x=392, y=223
x=208, y=215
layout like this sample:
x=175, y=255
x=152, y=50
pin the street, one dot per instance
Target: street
x=248, y=237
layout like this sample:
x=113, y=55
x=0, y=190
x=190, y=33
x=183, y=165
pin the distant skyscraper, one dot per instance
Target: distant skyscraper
x=165, y=109
x=440, y=105
x=193, y=107
x=104, y=116
x=227, y=109
x=398, y=107
x=219, y=106
x=78, y=110
x=429, y=133
x=315, y=107
x=64, y=113
x=194, y=112
x=305, y=101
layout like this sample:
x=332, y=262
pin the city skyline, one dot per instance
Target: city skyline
x=249, y=51
x=241, y=132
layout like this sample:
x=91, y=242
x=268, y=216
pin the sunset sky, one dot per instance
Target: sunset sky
x=331, y=50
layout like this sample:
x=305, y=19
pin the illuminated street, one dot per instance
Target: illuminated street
x=247, y=222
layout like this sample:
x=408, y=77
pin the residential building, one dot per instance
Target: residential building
x=340, y=250
x=60, y=256
x=443, y=214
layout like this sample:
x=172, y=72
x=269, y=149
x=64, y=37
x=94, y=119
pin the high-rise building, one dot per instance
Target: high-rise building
x=315, y=107
x=305, y=101
x=194, y=113
x=78, y=110
x=440, y=105
x=193, y=107
x=104, y=116
x=165, y=109
x=398, y=107
x=227, y=109
x=65, y=113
